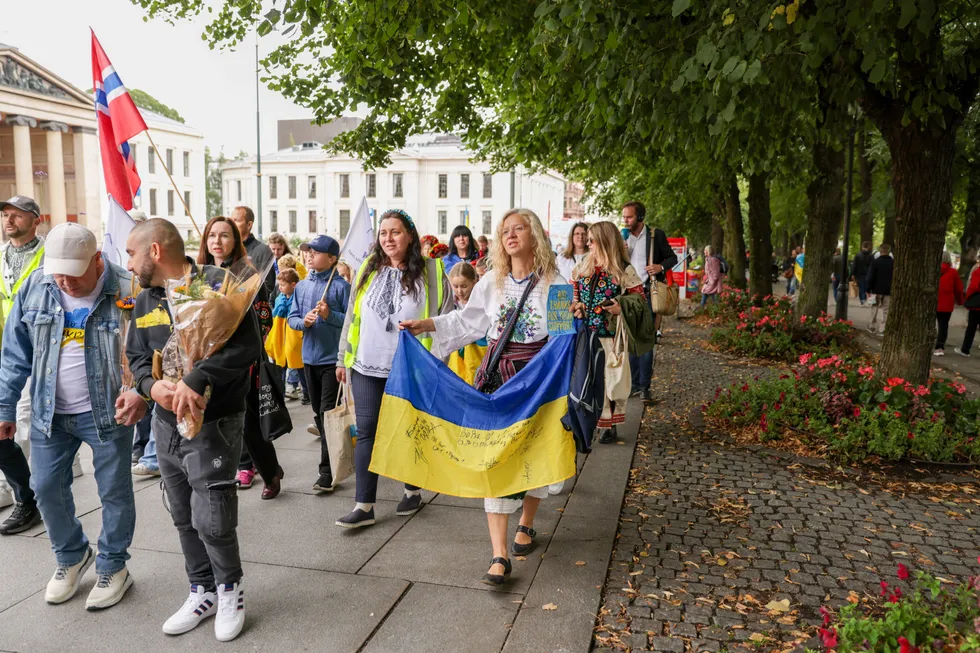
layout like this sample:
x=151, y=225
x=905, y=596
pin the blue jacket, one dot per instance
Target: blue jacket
x=320, y=341
x=453, y=258
x=283, y=306
x=31, y=347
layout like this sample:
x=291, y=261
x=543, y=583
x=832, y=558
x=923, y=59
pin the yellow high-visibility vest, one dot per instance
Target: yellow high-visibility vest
x=7, y=300
x=354, y=332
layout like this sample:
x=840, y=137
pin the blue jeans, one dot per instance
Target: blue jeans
x=149, y=457
x=863, y=289
x=641, y=368
x=51, y=460
x=705, y=298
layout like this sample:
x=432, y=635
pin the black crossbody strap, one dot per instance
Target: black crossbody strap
x=508, y=331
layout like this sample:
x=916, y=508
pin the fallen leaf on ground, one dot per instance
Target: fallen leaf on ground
x=549, y=606
x=580, y=563
x=757, y=637
x=778, y=606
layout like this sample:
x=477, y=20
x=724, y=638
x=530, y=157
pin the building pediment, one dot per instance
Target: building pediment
x=20, y=74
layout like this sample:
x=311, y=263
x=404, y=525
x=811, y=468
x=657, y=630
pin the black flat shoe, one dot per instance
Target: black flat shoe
x=608, y=436
x=523, y=549
x=497, y=579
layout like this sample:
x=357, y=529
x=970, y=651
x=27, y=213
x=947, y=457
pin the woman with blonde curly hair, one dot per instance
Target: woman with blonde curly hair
x=509, y=307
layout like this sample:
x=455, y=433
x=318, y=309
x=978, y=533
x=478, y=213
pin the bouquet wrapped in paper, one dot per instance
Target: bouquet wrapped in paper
x=125, y=305
x=206, y=310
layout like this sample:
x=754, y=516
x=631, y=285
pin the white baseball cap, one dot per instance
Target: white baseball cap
x=69, y=249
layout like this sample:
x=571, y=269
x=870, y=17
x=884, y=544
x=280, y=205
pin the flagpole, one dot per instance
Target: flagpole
x=187, y=209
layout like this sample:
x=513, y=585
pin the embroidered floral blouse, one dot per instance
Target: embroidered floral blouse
x=487, y=313
x=606, y=288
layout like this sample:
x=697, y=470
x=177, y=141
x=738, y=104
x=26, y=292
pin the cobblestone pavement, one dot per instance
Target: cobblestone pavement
x=710, y=533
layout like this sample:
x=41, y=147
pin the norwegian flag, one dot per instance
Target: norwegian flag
x=119, y=120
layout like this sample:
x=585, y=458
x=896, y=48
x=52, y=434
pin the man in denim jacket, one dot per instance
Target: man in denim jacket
x=63, y=333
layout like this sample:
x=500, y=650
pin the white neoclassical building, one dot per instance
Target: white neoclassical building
x=307, y=190
x=49, y=150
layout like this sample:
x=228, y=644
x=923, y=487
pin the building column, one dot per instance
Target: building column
x=85, y=146
x=23, y=166
x=58, y=207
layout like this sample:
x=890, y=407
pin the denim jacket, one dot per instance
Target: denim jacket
x=31, y=347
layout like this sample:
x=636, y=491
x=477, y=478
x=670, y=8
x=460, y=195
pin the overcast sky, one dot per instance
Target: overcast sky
x=214, y=91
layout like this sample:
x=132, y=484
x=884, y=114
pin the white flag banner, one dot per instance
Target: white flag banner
x=360, y=238
x=117, y=227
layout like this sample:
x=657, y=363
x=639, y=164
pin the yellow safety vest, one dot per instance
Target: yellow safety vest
x=7, y=300
x=354, y=331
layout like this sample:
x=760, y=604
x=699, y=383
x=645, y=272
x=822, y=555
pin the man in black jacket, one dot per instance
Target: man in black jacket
x=880, y=285
x=258, y=252
x=199, y=474
x=652, y=257
x=859, y=270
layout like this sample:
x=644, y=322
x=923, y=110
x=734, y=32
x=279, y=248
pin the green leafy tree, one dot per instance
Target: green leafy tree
x=144, y=100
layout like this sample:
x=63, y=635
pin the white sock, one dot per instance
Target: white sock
x=412, y=493
x=366, y=507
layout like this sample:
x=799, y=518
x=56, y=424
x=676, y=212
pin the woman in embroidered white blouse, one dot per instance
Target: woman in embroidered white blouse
x=521, y=255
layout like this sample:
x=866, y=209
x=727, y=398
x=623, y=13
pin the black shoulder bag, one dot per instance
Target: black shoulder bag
x=488, y=377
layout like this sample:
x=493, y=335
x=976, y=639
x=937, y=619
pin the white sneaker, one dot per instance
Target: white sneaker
x=231, y=611
x=6, y=495
x=292, y=393
x=313, y=430
x=139, y=469
x=64, y=583
x=109, y=590
x=556, y=488
x=199, y=606
x=939, y=352
x=960, y=352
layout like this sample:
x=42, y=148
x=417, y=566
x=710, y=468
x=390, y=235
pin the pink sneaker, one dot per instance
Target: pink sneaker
x=245, y=477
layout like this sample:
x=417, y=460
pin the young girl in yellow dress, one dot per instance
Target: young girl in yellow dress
x=466, y=361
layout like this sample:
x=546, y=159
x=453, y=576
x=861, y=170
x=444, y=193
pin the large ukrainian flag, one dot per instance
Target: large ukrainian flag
x=439, y=433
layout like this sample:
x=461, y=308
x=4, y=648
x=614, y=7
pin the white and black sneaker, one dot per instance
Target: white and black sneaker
x=231, y=611
x=200, y=605
x=357, y=518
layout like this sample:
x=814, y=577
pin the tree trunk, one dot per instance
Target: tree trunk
x=760, y=236
x=825, y=197
x=970, y=239
x=922, y=175
x=717, y=230
x=785, y=252
x=888, y=238
x=866, y=186
x=734, y=238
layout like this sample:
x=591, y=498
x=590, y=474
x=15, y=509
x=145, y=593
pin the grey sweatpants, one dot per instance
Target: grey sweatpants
x=199, y=475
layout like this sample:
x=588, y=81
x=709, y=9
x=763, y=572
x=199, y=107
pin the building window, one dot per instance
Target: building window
x=274, y=221
x=292, y=222
x=273, y=189
x=313, y=228
x=462, y=216
x=396, y=184
x=311, y=187
x=170, y=161
x=487, y=186
x=151, y=161
x=443, y=186
x=344, y=222
x=464, y=186
x=371, y=185
x=442, y=222
x=292, y=187
x=345, y=185
x=487, y=222
x=187, y=201
x=153, y=202
x=187, y=164
x=170, y=202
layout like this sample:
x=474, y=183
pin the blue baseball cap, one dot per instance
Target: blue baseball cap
x=322, y=244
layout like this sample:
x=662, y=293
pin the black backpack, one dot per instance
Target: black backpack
x=724, y=263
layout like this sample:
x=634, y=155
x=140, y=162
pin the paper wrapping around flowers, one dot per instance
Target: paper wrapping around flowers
x=205, y=316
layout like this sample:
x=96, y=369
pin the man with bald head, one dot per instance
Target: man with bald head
x=61, y=334
x=199, y=474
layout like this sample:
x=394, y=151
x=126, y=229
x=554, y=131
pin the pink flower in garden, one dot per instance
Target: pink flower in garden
x=905, y=647
x=897, y=414
x=828, y=637
x=884, y=588
x=887, y=389
x=857, y=411
x=895, y=381
x=960, y=388
x=812, y=390
x=805, y=358
x=903, y=572
x=883, y=406
x=745, y=387
x=826, y=615
x=867, y=370
x=911, y=437
x=921, y=391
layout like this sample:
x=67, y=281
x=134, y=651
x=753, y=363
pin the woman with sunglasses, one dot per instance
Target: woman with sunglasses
x=395, y=283
x=521, y=255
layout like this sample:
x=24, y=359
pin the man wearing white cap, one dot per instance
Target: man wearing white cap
x=63, y=333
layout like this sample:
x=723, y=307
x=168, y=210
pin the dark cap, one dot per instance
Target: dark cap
x=322, y=244
x=23, y=203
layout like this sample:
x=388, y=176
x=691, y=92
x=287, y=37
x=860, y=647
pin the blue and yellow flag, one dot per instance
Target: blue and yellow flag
x=439, y=433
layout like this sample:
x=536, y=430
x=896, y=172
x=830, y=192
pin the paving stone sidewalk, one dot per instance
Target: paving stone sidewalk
x=710, y=532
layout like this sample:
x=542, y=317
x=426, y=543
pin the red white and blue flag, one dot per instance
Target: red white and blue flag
x=119, y=120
